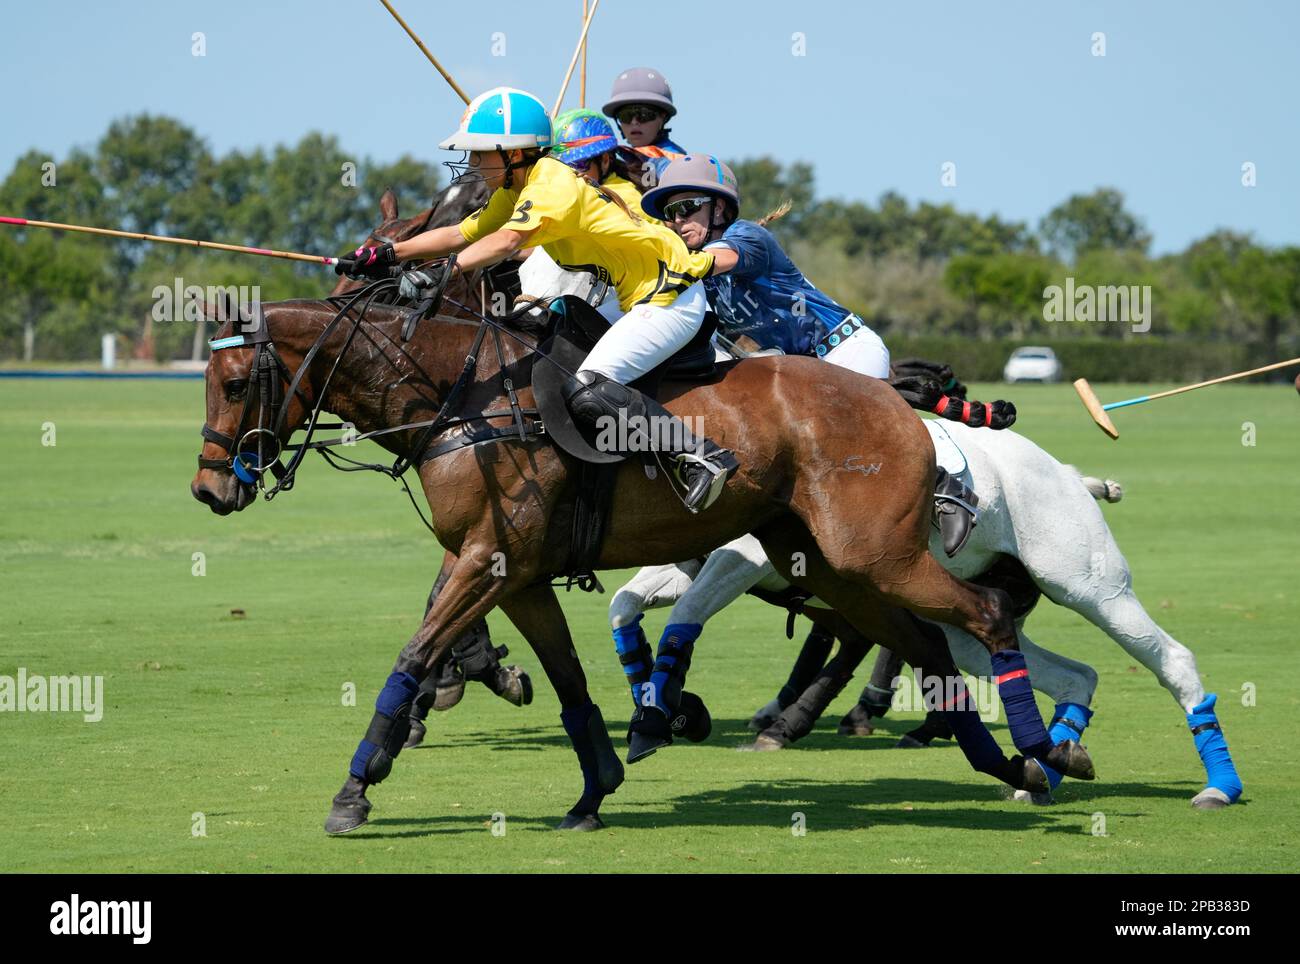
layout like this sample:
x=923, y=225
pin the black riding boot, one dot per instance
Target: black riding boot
x=955, y=510
x=628, y=422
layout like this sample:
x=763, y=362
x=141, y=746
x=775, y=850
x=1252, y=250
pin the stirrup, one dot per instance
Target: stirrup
x=720, y=471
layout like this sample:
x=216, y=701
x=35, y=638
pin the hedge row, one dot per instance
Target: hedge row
x=1098, y=360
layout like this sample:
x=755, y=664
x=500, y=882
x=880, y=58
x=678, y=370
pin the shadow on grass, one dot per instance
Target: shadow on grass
x=854, y=805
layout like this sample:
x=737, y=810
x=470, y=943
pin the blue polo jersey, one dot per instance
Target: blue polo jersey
x=767, y=298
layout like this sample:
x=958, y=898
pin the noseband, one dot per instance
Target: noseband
x=267, y=378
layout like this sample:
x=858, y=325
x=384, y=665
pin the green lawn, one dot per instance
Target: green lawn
x=242, y=720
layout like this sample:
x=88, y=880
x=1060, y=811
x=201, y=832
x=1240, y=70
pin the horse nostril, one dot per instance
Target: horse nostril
x=205, y=495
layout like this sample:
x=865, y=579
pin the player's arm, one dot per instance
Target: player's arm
x=436, y=243
x=724, y=259
x=493, y=249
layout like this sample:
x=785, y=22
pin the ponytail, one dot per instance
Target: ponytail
x=778, y=212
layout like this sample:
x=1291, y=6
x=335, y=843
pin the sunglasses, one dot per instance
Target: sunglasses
x=637, y=115
x=684, y=207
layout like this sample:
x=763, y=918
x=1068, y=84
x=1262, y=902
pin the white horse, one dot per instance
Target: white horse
x=1035, y=509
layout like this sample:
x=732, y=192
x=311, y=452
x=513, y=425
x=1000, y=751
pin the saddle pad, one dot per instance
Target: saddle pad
x=947, y=452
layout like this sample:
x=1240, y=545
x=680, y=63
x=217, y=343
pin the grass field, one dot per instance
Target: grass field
x=242, y=720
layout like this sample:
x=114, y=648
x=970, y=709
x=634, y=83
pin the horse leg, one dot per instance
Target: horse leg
x=890, y=561
x=876, y=696
x=727, y=574
x=799, y=716
x=814, y=652
x=470, y=593
x=1089, y=574
x=651, y=588
x=922, y=645
x=536, y=613
x=470, y=657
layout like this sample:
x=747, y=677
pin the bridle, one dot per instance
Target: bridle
x=269, y=375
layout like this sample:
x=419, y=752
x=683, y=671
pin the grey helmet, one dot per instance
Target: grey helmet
x=640, y=85
x=694, y=172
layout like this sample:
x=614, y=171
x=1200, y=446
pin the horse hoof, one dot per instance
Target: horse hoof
x=909, y=742
x=642, y=745
x=416, y=736
x=445, y=697
x=1072, y=759
x=1035, y=779
x=581, y=822
x=1211, y=798
x=1037, y=799
x=514, y=686
x=648, y=731
x=692, y=720
x=862, y=729
x=764, y=744
x=346, y=817
x=765, y=716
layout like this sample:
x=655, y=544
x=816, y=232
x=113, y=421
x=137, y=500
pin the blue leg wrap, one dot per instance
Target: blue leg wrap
x=634, y=653
x=1023, y=718
x=388, y=729
x=664, y=689
x=1068, y=723
x=1213, y=748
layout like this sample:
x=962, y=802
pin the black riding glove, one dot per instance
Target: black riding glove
x=367, y=262
x=429, y=278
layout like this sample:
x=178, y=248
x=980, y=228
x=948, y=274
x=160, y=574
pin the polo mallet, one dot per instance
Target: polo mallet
x=139, y=236
x=1098, y=411
x=582, y=45
x=425, y=50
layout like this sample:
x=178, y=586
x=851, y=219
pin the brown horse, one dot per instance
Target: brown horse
x=502, y=509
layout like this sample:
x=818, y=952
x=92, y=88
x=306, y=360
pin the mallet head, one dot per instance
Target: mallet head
x=1093, y=404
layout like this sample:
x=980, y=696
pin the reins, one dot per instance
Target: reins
x=268, y=369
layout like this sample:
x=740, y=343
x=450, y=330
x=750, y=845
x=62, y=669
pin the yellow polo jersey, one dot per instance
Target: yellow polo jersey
x=582, y=228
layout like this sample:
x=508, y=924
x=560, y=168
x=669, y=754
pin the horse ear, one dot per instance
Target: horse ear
x=388, y=205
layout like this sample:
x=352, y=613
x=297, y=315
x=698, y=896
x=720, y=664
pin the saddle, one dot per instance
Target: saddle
x=575, y=329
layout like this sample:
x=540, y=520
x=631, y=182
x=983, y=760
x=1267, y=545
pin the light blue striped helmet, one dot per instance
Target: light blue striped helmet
x=501, y=119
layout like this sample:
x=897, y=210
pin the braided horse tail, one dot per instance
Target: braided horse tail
x=932, y=387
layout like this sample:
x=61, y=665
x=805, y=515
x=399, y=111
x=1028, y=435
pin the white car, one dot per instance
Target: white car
x=1032, y=365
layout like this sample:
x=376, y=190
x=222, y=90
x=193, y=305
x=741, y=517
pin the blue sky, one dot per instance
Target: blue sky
x=885, y=94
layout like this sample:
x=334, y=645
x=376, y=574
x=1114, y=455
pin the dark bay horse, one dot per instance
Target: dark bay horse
x=502, y=511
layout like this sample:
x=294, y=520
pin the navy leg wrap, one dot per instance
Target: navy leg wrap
x=976, y=742
x=388, y=729
x=1213, y=748
x=664, y=691
x=1023, y=718
x=634, y=653
x=602, y=771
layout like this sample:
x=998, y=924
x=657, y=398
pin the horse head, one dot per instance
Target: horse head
x=254, y=404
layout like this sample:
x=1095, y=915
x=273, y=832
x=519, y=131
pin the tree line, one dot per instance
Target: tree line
x=912, y=270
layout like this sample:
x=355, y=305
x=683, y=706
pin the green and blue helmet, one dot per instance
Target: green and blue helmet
x=581, y=135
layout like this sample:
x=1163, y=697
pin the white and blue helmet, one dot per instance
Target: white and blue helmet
x=502, y=119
